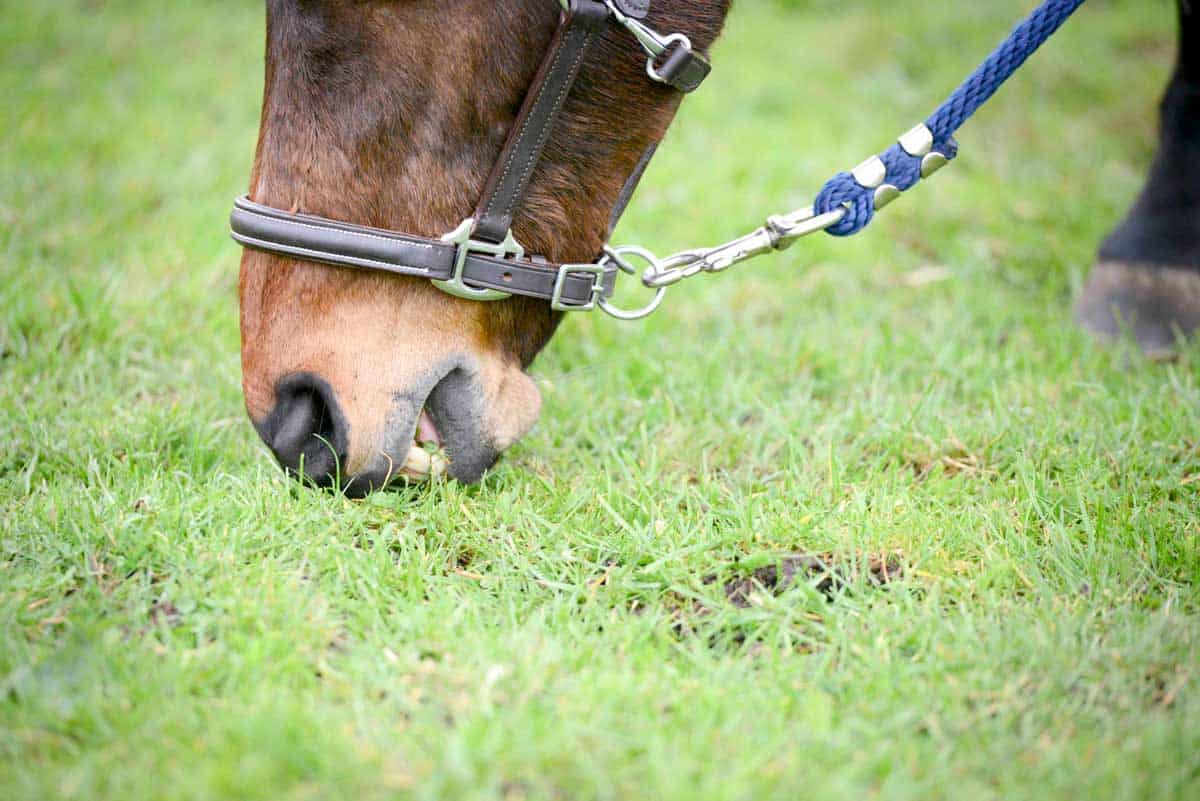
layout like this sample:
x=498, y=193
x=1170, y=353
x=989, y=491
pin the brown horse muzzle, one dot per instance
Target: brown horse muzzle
x=342, y=370
x=445, y=423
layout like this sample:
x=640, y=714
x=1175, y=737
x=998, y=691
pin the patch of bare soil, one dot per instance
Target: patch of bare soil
x=829, y=574
x=826, y=573
x=951, y=456
x=165, y=612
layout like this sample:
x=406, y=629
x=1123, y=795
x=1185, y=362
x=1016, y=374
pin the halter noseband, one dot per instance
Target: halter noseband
x=480, y=259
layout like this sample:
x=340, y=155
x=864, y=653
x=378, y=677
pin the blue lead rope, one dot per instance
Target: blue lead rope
x=920, y=152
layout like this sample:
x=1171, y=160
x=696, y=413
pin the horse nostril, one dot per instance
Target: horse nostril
x=306, y=430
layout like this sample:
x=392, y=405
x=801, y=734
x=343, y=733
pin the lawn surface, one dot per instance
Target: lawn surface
x=177, y=620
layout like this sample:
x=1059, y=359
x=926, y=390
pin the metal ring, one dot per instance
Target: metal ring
x=666, y=41
x=645, y=311
x=616, y=256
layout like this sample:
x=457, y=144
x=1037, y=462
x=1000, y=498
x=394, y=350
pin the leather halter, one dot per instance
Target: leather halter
x=481, y=260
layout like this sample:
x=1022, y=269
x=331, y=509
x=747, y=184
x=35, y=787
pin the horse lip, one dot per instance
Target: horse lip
x=444, y=409
x=457, y=407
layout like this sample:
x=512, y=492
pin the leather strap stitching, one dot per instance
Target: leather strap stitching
x=535, y=153
x=520, y=134
x=324, y=255
x=365, y=234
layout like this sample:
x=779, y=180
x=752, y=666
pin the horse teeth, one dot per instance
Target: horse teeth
x=418, y=463
x=421, y=464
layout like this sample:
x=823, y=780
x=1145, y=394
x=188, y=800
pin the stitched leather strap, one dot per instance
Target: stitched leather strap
x=510, y=177
x=345, y=245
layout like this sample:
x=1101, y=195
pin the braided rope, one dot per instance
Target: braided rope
x=904, y=170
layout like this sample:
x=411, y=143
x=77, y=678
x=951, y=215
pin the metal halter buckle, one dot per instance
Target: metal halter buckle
x=595, y=270
x=654, y=43
x=461, y=236
x=652, y=63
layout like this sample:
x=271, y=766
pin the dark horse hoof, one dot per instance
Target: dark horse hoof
x=1147, y=275
x=1158, y=305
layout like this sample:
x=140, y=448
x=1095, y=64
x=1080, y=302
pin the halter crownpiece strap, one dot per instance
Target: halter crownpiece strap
x=482, y=260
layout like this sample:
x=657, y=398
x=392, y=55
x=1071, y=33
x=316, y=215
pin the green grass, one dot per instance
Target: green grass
x=177, y=620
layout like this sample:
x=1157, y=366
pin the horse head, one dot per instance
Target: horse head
x=391, y=114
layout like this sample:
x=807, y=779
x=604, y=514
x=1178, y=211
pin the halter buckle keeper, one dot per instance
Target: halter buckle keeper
x=597, y=273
